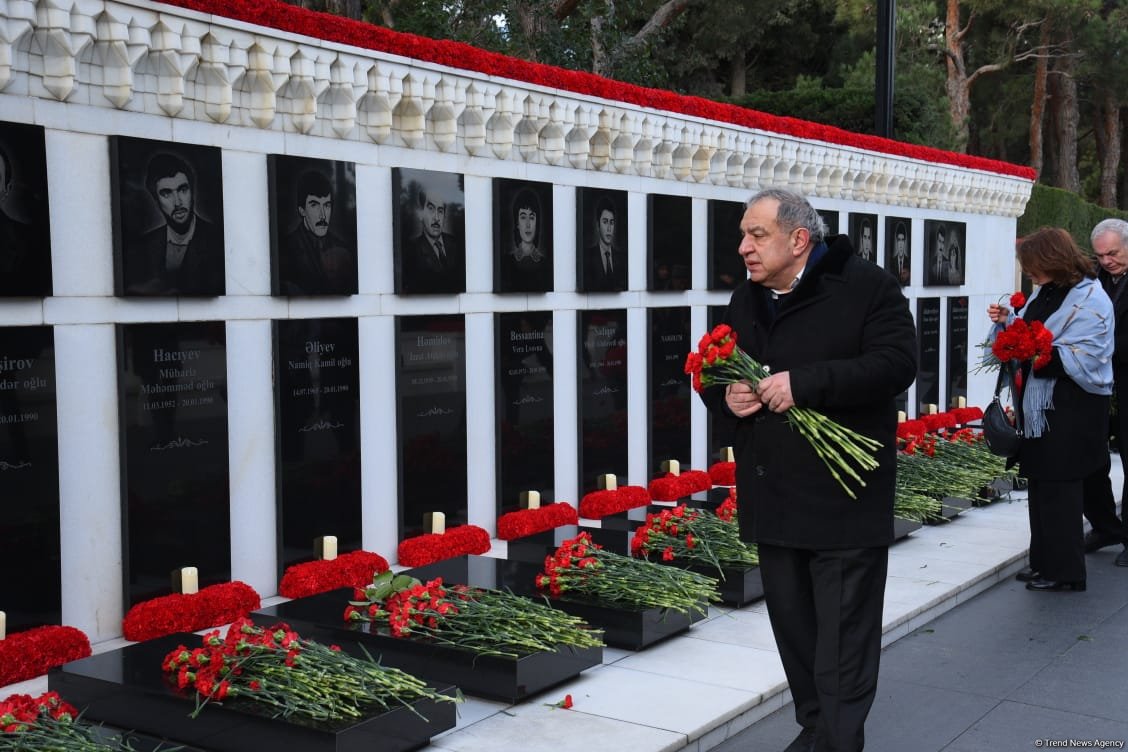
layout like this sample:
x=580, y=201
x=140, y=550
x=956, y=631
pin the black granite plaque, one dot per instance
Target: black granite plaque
x=830, y=219
x=524, y=407
x=175, y=491
x=670, y=243
x=522, y=236
x=429, y=218
x=670, y=388
x=898, y=248
x=317, y=393
x=720, y=428
x=431, y=425
x=312, y=226
x=25, y=227
x=863, y=235
x=603, y=396
x=944, y=253
x=29, y=478
x=726, y=267
x=601, y=240
x=928, y=353
x=957, y=350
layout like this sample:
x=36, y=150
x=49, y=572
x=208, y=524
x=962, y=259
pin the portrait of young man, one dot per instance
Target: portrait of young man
x=430, y=257
x=863, y=235
x=898, y=248
x=168, y=218
x=602, y=235
x=522, y=232
x=945, y=257
x=25, y=228
x=313, y=226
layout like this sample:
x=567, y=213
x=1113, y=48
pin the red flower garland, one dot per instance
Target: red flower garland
x=278, y=15
x=211, y=607
x=599, y=504
x=347, y=570
x=525, y=522
x=673, y=487
x=723, y=473
x=26, y=655
x=965, y=415
x=431, y=547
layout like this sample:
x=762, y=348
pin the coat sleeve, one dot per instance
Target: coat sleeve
x=884, y=366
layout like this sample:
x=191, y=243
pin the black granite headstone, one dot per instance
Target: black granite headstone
x=863, y=235
x=601, y=240
x=25, y=227
x=720, y=428
x=670, y=390
x=603, y=396
x=524, y=407
x=928, y=353
x=957, y=349
x=522, y=236
x=898, y=248
x=670, y=260
x=830, y=219
x=175, y=488
x=431, y=424
x=317, y=395
x=726, y=267
x=29, y=478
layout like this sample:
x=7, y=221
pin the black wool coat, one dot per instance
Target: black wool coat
x=847, y=338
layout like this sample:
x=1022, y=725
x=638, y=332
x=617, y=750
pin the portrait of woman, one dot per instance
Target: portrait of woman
x=522, y=236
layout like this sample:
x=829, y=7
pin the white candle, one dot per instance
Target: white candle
x=189, y=580
x=435, y=522
x=530, y=499
x=727, y=454
x=607, y=482
x=3, y=625
x=326, y=547
x=902, y=416
x=673, y=467
x=961, y=401
x=933, y=408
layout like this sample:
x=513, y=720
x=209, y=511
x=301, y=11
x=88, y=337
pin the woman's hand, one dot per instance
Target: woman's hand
x=998, y=313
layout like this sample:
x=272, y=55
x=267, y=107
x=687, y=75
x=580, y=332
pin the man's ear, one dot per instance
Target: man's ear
x=800, y=238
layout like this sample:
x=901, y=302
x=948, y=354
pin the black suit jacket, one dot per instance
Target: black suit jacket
x=200, y=273
x=1120, y=308
x=423, y=273
x=596, y=279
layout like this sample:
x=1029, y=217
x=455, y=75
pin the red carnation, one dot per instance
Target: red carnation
x=1018, y=300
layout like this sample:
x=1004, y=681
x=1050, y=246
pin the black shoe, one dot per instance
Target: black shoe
x=1055, y=585
x=1028, y=574
x=1095, y=541
x=1122, y=558
x=805, y=742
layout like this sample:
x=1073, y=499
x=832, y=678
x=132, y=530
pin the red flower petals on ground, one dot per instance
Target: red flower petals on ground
x=211, y=607
x=26, y=655
x=352, y=569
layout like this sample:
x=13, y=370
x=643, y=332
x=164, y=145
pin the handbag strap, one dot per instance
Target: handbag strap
x=1006, y=379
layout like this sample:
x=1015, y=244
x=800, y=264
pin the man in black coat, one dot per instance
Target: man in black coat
x=1110, y=243
x=838, y=338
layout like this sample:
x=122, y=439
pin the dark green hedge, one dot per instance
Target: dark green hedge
x=1053, y=207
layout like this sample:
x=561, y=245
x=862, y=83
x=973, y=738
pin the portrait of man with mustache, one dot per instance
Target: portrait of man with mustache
x=433, y=261
x=315, y=258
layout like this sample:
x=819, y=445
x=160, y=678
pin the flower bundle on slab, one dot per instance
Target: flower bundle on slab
x=481, y=620
x=431, y=547
x=598, y=504
x=212, y=606
x=672, y=487
x=723, y=473
x=695, y=535
x=25, y=655
x=580, y=567
x=290, y=676
x=524, y=522
x=49, y=724
x=347, y=570
x=844, y=452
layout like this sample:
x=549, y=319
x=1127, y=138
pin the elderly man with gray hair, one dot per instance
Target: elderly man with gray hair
x=1110, y=244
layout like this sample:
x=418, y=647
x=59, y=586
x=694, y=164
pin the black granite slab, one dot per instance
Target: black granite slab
x=670, y=247
x=669, y=390
x=128, y=689
x=903, y=528
x=25, y=224
x=956, y=377
x=511, y=680
x=602, y=396
x=726, y=267
x=928, y=353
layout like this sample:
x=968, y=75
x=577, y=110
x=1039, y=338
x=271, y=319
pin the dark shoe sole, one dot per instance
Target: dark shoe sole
x=1028, y=574
x=1052, y=586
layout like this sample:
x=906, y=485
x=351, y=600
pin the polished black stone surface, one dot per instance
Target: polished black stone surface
x=25, y=224
x=524, y=406
x=903, y=528
x=623, y=627
x=128, y=689
x=669, y=387
x=928, y=353
x=670, y=257
x=508, y=679
x=317, y=396
x=602, y=396
x=958, y=350
x=29, y=477
x=175, y=487
x=431, y=419
x=726, y=267
x=737, y=586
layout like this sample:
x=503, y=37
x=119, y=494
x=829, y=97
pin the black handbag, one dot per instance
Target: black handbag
x=1002, y=429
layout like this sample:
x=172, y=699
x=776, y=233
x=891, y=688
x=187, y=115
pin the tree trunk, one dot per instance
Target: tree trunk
x=738, y=75
x=1109, y=128
x=1066, y=117
x=1038, y=105
x=957, y=87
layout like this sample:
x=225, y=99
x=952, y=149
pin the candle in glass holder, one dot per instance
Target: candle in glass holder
x=186, y=580
x=607, y=482
x=3, y=625
x=902, y=416
x=530, y=500
x=325, y=547
x=434, y=522
x=673, y=467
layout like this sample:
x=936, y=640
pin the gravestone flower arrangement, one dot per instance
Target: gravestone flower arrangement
x=582, y=568
x=320, y=576
x=49, y=724
x=30, y=653
x=671, y=486
x=697, y=536
x=483, y=621
x=599, y=504
x=845, y=453
x=178, y=612
x=289, y=676
x=525, y=522
x=428, y=548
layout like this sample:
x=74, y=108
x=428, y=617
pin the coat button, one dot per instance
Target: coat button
x=760, y=471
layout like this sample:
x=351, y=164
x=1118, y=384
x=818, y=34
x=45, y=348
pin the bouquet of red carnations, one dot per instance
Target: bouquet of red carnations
x=695, y=535
x=49, y=724
x=719, y=360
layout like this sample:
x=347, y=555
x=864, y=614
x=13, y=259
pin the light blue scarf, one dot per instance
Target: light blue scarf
x=1083, y=341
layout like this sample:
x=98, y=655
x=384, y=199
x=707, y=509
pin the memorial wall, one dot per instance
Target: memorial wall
x=258, y=288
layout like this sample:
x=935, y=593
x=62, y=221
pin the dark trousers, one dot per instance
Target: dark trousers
x=825, y=608
x=1057, y=548
x=1100, y=505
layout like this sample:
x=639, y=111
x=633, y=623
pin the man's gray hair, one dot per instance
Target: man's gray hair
x=794, y=212
x=1119, y=226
